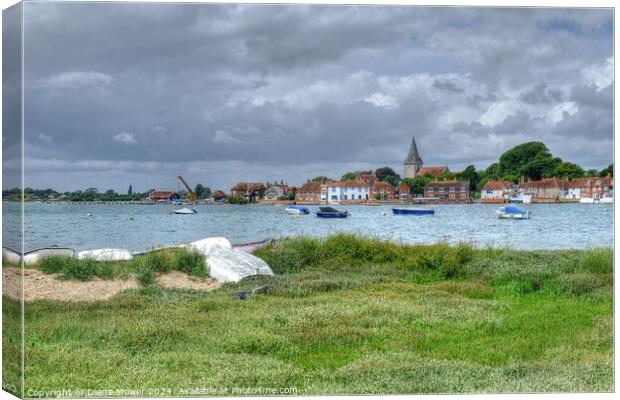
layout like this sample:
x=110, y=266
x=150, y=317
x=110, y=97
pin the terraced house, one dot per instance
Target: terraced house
x=453, y=191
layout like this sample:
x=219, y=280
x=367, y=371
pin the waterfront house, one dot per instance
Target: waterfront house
x=497, y=192
x=276, y=192
x=218, y=196
x=251, y=191
x=309, y=193
x=163, y=196
x=348, y=191
x=547, y=190
x=404, y=192
x=383, y=191
x=453, y=191
x=591, y=188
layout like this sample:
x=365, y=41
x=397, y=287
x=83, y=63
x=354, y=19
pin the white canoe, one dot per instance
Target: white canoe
x=36, y=255
x=105, y=255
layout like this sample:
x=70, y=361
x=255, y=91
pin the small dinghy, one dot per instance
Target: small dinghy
x=185, y=211
x=297, y=210
x=412, y=211
x=330, y=212
x=512, y=212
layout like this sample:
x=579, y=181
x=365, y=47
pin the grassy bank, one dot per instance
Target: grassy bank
x=144, y=267
x=345, y=315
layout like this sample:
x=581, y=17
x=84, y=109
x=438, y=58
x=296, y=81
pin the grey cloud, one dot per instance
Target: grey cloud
x=283, y=88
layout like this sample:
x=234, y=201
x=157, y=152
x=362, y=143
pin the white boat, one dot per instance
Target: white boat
x=297, y=210
x=185, y=211
x=512, y=212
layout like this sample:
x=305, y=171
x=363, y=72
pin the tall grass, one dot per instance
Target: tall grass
x=144, y=267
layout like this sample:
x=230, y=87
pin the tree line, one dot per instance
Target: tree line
x=531, y=160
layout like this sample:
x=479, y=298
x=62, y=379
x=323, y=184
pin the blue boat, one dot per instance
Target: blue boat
x=412, y=211
x=297, y=210
x=330, y=212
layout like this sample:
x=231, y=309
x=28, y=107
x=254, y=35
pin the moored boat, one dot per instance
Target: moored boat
x=512, y=212
x=330, y=212
x=185, y=211
x=412, y=211
x=297, y=210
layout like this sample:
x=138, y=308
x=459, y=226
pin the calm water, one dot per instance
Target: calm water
x=136, y=227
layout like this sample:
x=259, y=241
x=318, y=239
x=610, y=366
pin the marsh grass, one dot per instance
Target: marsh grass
x=375, y=317
x=144, y=267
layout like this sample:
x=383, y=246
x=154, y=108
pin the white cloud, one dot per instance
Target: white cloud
x=224, y=137
x=125, y=137
x=601, y=75
x=73, y=80
x=559, y=111
x=498, y=112
x=44, y=138
x=382, y=100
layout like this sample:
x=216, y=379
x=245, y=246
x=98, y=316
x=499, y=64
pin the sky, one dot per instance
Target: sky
x=120, y=94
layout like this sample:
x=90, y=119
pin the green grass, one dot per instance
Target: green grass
x=145, y=267
x=346, y=316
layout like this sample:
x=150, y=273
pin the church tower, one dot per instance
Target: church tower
x=413, y=163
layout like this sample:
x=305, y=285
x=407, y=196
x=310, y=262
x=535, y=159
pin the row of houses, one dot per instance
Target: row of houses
x=549, y=190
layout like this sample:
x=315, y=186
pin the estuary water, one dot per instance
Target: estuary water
x=138, y=227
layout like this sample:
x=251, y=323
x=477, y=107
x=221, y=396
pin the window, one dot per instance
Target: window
x=452, y=189
x=452, y=195
x=345, y=197
x=463, y=188
x=430, y=188
x=359, y=197
x=441, y=188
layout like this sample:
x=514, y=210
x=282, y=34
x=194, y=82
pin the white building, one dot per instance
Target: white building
x=349, y=191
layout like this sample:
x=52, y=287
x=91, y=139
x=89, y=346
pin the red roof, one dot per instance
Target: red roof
x=349, y=184
x=310, y=187
x=546, y=183
x=435, y=171
x=584, y=182
x=162, y=194
x=497, y=185
x=382, y=184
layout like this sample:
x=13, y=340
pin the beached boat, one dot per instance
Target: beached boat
x=412, y=211
x=512, y=212
x=36, y=255
x=297, y=210
x=330, y=212
x=185, y=211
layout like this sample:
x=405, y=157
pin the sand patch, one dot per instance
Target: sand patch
x=41, y=286
x=179, y=280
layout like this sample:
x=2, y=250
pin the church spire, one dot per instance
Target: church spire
x=413, y=157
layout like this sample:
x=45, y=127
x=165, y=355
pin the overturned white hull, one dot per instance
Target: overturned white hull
x=105, y=255
x=225, y=264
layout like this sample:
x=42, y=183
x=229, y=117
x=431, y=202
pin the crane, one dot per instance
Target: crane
x=191, y=195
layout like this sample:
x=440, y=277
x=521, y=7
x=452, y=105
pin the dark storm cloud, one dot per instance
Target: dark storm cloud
x=138, y=93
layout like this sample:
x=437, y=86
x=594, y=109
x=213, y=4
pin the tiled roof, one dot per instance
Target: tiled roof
x=248, y=186
x=546, y=183
x=582, y=182
x=497, y=185
x=349, y=184
x=382, y=184
x=310, y=187
x=450, y=182
x=435, y=171
x=218, y=194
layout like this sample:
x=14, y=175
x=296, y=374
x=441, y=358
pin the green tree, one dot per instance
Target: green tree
x=200, y=191
x=417, y=184
x=320, y=179
x=591, y=173
x=607, y=171
x=387, y=174
x=568, y=170
x=349, y=176
x=470, y=174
